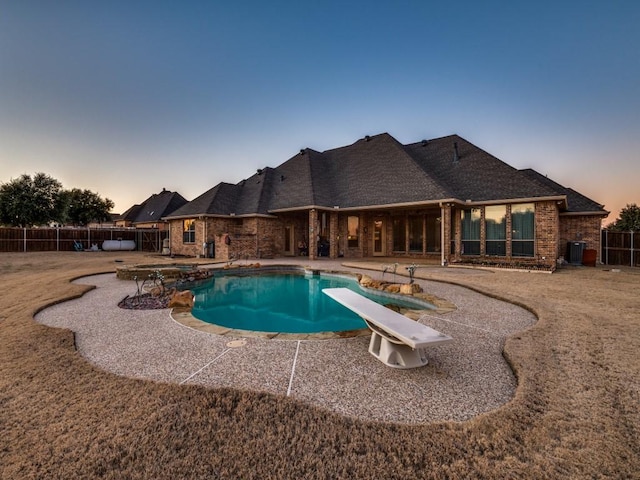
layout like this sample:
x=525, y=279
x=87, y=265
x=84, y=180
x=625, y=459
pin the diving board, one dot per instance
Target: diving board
x=397, y=341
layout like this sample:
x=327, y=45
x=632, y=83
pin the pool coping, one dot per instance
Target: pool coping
x=183, y=315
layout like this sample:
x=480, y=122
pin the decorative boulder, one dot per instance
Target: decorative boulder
x=410, y=288
x=392, y=288
x=181, y=299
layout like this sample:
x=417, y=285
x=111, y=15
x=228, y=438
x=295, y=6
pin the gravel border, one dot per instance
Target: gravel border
x=463, y=379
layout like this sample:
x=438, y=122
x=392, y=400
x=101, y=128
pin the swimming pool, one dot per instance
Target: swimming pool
x=281, y=302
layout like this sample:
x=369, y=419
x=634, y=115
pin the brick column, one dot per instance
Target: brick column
x=445, y=232
x=458, y=236
x=313, y=234
x=333, y=235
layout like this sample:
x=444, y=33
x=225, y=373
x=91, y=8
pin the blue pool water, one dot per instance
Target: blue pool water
x=286, y=303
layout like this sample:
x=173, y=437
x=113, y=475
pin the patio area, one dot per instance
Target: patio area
x=463, y=379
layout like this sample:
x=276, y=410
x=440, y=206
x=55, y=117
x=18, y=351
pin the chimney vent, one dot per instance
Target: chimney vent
x=302, y=150
x=367, y=138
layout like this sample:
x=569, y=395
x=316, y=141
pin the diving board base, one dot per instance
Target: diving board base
x=396, y=355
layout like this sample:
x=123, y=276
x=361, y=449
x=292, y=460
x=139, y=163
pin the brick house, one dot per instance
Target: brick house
x=443, y=199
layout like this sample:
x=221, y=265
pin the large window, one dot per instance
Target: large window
x=189, y=231
x=416, y=233
x=399, y=234
x=471, y=231
x=495, y=221
x=353, y=227
x=522, y=229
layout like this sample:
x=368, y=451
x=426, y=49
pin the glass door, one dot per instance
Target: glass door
x=288, y=240
x=378, y=237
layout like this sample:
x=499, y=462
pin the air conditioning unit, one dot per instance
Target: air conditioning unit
x=574, y=252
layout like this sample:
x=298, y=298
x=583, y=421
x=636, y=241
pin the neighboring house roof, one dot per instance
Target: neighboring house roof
x=378, y=171
x=130, y=214
x=154, y=208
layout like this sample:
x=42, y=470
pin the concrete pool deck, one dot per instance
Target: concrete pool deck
x=463, y=379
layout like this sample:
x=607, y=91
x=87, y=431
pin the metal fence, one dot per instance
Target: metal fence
x=65, y=239
x=620, y=248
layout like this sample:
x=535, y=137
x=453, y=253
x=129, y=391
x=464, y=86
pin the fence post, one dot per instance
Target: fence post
x=57, y=239
x=631, y=260
x=606, y=247
x=25, y=238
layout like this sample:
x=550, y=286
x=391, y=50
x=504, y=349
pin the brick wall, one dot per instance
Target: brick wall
x=177, y=247
x=547, y=223
x=583, y=228
x=270, y=237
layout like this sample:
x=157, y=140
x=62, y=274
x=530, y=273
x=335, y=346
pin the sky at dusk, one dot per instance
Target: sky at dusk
x=126, y=98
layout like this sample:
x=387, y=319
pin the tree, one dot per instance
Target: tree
x=83, y=207
x=629, y=219
x=28, y=201
x=41, y=200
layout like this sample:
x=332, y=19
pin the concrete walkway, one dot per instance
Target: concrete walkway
x=462, y=379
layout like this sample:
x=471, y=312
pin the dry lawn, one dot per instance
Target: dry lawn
x=575, y=414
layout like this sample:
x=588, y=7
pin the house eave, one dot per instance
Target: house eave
x=200, y=216
x=560, y=199
x=602, y=214
x=364, y=207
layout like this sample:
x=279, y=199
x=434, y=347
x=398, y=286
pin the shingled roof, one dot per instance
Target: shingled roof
x=576, y=202
x=378, y=171
x=154, y=208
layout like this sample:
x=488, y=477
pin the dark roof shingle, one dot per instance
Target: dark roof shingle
x=380, y=171
x=154, y=208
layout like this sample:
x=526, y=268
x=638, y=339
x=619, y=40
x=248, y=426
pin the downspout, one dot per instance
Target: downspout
x=443, y=260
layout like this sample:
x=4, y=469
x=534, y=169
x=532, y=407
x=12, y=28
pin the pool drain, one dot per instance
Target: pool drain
x=237, y=343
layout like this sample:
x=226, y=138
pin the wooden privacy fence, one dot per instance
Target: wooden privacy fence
x=63, y=239
x=620, y=248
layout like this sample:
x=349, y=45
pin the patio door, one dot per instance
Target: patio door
x=289, y=240
x=379, y=237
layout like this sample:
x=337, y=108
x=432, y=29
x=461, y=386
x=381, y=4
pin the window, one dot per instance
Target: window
x=434, y=234
x=189, y=231
x=353, y=227
x=495, y=222
x=415, y=233
x=522, y=229
x=399, y=234
x=471, y=231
